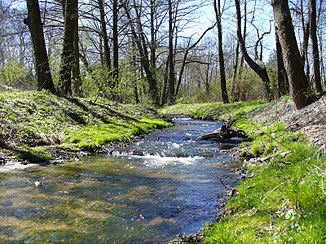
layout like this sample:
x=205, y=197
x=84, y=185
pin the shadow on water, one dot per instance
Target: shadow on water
x=164, y=184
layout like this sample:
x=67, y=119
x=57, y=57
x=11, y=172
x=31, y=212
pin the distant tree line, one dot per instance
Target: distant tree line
x=147, y=51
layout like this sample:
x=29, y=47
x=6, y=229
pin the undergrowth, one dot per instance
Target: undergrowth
x=32, y=123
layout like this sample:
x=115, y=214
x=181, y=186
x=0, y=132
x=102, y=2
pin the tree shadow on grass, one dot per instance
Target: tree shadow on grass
x=95, y=114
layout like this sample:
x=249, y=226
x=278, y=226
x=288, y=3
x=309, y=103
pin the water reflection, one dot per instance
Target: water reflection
x=162, y=185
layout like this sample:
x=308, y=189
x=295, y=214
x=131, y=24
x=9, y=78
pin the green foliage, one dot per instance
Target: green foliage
x=248, y=86
x=13, y=73
x=101, y=83
x=221, y=234
x=96, y=82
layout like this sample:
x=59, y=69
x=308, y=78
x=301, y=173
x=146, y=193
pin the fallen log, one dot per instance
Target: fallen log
x=224, y=133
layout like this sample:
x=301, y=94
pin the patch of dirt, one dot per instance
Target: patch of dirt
x=311, y=120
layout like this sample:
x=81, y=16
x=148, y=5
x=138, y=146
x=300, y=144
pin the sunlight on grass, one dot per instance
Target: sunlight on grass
x=284, y=200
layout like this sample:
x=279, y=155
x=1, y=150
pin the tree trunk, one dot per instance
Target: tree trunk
x=291, y=56
x=165, y=85
x=134, y=66
x=240, y=96
x=153, y=34
x=171, y=56
x=76, y=68
x=282, y=78
x=217, y=9
x=107, y=56
x=115, y=43
x=305, y=30
x=140, y=42
x=260, y=71
x=33, y=21
x=67, y=56
x=234, y=92
x=314, y=41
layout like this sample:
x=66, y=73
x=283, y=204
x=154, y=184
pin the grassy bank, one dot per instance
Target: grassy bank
x=212, y=111
x=35, y=125
x=283, y=198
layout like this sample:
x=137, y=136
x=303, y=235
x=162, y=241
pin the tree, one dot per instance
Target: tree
x=305, y=22
x=70, y=8
x=259, y=70
x=104, y=35
x=115, y=42
x=141, y=44
x=76, y=67
x=171, y=54
x=33, y=21
x=315, y=49
x=282, y=79
x=217, y=9
x=301, y=92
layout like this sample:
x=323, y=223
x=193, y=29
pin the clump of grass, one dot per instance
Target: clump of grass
x=93, y=136
x=35, y=155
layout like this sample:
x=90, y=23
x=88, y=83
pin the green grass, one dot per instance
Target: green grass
x=214, y=111
x=92, y=136
x=33, y=123
x=284, y=199
x=284, y=202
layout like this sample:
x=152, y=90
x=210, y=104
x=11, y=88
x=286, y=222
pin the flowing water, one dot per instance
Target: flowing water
x=163, y=184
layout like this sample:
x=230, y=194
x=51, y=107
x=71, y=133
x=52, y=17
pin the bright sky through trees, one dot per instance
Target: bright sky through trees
x=259, y=15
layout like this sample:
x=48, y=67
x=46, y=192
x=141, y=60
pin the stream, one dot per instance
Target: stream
x=166, y=183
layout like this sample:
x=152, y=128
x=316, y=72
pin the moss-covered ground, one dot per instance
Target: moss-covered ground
x=34, y=125
x=283, y=199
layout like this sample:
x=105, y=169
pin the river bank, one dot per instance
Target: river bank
x=157, y=186
x=282, y=196
x=42, y=128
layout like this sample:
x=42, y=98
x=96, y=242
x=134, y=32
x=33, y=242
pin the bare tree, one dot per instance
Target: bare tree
x=141, y=44
x=33, y=21
x=67, y=59
x=218, y=14
x=115, y=37
x=314, y=41
x=259, y=70
x=301, y=92
x=171, y=54
x=104, y=35
x=77, y=81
